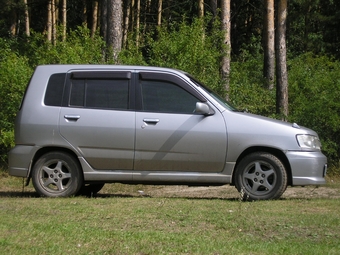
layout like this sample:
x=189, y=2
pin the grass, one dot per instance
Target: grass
x=120, y=221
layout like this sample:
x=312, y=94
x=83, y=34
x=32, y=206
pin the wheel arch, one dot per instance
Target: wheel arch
x=276, y=152
x=48, y=149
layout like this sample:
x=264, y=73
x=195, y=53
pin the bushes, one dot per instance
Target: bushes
x=17, y=62
x=14, y=75
x=314, y=93
x=314, y=82
x=246, y=87
x=314, y=96
x=79, y=48
x=189, y=48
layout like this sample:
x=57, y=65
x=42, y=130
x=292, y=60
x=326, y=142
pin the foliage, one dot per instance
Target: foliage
x=314, y=98
x=14, y=75
x=131, y=55
x=79, y=48
x=313, y=80
x=246, y=84
x=17, y=62
x=314, y=92
x=190, y=48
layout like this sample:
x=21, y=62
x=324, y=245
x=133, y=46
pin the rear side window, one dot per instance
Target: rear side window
x=100, y=92
x=55, y=88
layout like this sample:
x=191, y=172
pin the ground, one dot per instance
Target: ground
x=11, y=186
x=229, y=192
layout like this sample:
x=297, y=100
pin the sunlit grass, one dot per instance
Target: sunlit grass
x=121, y=221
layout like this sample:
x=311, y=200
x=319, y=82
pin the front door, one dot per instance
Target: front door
x=170, y=136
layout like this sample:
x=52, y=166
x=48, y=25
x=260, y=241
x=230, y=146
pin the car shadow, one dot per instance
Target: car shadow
x=18, y=194
x=33, y=194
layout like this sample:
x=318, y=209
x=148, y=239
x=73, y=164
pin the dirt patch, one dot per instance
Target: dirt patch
x=13, y=187
x=229, y=192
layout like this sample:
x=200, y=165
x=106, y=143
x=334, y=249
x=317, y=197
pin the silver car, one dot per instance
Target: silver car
x=81, y=126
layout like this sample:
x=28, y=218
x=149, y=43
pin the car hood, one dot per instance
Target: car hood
x=249, y=130
x=258, y=120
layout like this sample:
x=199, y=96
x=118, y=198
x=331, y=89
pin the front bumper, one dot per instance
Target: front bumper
x=308, y=168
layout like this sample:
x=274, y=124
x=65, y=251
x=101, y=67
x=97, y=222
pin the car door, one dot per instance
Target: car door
x=170, y=136
x=97, y=119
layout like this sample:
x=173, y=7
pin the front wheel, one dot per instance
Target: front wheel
x=260, y=176
x=57, y=174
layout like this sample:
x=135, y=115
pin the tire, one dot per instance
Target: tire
x=90, y=189
x=260, y=176
x=57, y=174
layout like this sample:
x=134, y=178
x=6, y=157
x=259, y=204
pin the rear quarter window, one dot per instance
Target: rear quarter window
x=55, y=88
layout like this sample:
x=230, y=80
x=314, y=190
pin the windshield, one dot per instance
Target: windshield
x=212, y=93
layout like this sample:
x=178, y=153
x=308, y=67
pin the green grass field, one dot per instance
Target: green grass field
x=121, y=221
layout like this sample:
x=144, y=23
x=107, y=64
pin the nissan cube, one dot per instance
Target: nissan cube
x=81, y=126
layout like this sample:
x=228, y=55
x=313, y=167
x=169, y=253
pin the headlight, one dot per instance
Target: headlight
x=309, y=142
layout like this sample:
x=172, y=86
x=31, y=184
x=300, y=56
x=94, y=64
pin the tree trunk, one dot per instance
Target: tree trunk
x=94, y=18
x=213, y=7
x=137, y=23
x=281, y=61
x=64, y=14
x=200, y=8
x=133, y=13
x=103, y=20
x=147, y=12
x=269, y=44
x=56, y=8
x=14, y=22
x=49, y=21
x=54, y=22
x=84, y=13
x=225, y=12
x=126, y=22
x=114, y=27
x=27, y=20
x=159, y=13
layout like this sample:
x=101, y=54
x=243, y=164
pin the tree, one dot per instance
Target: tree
x=200, y=8
x=213, y=7
x=281, y=60
x=269, y=44
x=64, y=14
x=114, y=27
x=49, y=21
x=126, y=21
x=103, y=17
x=54, y=21
x=94, y=18
x=225, y=69
x=27, y=19
x=137, y=23
x=159, y=13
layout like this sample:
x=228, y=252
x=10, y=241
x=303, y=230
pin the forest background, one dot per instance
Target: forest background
x=227, y=44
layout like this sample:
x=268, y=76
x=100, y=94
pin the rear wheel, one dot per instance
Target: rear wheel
x=260, y=176
x=57, y=174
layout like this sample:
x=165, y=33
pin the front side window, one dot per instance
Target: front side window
x=163, y=96
x=100, y=93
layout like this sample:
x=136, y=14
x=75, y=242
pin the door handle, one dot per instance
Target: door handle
x=70, y=117
x=151, y=121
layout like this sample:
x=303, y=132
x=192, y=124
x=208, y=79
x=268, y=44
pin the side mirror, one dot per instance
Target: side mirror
x=204, y=109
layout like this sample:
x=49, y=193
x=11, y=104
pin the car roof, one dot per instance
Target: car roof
x=71, y=67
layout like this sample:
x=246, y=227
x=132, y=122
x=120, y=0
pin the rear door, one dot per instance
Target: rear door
x=170, y=136
x=98, y=120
